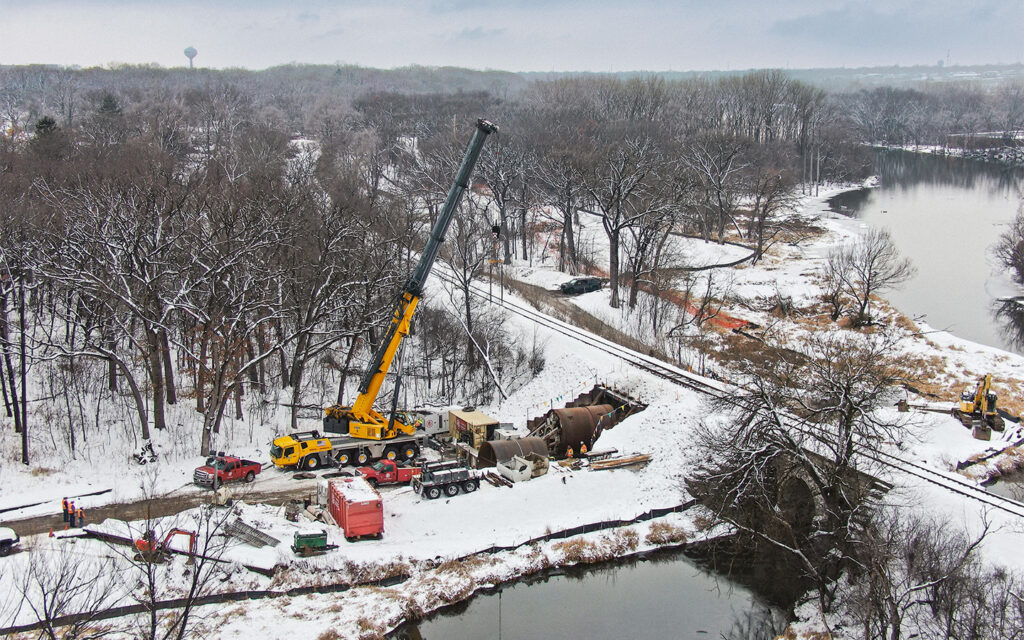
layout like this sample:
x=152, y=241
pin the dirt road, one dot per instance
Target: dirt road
x=168, y=505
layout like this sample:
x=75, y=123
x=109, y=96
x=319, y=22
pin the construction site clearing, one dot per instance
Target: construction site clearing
x=338, y=509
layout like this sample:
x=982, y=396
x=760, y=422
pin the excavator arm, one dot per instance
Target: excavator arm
x=362, y=420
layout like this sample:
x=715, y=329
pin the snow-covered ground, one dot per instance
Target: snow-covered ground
x=422, y=534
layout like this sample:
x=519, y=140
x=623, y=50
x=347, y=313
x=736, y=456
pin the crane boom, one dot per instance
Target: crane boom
x=363, y=421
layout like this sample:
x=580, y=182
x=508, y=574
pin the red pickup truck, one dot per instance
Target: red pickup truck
x=221, y=469
x=387, y=472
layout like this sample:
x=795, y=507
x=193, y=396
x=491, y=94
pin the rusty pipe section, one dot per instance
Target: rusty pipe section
x=495, y=451
x=578, y=426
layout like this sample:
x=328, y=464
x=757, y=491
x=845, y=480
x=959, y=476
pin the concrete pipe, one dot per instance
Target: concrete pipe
x=495, y=451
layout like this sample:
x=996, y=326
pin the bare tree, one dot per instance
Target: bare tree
x=66, y=591
x=868, y=266
x=1010, y=247
x=618, y=183
x=718, y=162
x=798, y=488
x=918, y=572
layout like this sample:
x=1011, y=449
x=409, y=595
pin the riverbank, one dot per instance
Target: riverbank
x=1004, y=155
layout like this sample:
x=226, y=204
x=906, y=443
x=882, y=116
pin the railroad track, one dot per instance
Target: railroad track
x=949, y=481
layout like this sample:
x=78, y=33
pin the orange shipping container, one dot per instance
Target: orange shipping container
x=356, y=507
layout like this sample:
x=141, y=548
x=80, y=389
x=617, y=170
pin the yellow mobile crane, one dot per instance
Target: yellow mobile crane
x=368, y=435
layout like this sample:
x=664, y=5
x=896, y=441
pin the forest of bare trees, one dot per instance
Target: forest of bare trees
x=205, y=237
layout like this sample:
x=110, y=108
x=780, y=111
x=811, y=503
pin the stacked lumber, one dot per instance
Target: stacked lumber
x=621, y=461
x=496, y=480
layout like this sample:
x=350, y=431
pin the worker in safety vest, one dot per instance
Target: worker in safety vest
x=71, y=514
x=568, y=452
x=81, y=517
x=583, y=449
x=65, y=505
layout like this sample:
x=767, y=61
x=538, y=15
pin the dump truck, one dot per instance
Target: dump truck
x=356, y=507
x=449, y=478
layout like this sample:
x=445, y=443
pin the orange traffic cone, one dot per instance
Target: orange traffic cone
x=65, y=526
x=51, y=532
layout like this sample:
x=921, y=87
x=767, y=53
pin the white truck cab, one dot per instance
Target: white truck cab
x=8, y=540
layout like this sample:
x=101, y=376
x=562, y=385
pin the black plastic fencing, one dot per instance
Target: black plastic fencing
x=235, y=596
x=593, y=526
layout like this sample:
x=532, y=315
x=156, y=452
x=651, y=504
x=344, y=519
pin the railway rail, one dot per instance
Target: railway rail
x=722, y=391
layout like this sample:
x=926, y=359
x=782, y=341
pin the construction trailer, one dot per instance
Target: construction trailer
x=471, y=426
x=356, y=507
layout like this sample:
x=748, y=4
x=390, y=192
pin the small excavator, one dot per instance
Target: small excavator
x=977, y=409
x=152, y=550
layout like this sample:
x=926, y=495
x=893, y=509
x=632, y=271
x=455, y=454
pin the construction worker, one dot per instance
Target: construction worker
x=65, y=504
x=81, y=517
x=71, y=514
x=583, y=449
x=568, y=452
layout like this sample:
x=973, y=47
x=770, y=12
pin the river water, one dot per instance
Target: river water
x=946, y=214
x=669, y=596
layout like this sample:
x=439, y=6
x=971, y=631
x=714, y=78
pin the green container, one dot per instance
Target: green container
x=309, y=542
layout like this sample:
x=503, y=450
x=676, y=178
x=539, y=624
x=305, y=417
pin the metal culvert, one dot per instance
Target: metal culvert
x=581, y=425
x=495, y=451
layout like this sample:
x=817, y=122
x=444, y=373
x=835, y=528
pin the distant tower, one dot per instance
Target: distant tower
x=191, y=53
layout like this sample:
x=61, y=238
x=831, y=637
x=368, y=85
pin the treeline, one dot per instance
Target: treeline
x=950, y=114
x=216, y=233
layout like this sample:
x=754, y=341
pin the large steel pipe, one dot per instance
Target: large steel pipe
x=495, y=451
x=580, y=426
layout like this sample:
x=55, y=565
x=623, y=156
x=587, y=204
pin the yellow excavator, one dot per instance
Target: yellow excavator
x=977, y=409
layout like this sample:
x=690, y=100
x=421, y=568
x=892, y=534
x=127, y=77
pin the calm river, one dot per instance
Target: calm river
x=946, y=214
x=670, y=596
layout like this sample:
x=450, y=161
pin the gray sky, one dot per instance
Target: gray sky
x=515, y=35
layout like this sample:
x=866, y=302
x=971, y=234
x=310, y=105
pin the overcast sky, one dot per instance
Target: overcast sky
x=515, y=35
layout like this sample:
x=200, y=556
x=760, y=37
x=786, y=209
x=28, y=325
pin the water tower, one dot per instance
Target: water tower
x=191, y=53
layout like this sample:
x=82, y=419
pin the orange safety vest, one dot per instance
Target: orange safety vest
x=65, y=502
x=81, y=514
x=568, y=452
x=583, y=449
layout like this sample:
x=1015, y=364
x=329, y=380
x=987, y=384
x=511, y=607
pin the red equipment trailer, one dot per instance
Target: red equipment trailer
x=356, y=507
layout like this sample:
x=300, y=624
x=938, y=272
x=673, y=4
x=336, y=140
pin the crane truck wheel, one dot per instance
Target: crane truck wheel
x=391, y=453
x=468, y=486
x=432, y=492
x=344, y=457
x=311, y=463
x=409, y=452
x=451, y=490
x=362, y=458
